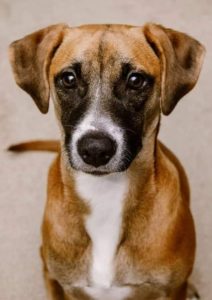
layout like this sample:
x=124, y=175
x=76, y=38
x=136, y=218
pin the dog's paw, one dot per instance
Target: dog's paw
x=192, y=293
x=195, y=297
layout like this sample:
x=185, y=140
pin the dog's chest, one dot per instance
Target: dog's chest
x=105, y=196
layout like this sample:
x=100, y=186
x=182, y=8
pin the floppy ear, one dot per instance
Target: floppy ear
x=31, y=57
x=181, y=59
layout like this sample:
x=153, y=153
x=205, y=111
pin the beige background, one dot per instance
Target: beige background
x=188, y=131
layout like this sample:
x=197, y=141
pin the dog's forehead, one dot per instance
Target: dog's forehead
x=105, y=45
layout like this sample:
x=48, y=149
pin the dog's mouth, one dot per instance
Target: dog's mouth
x=97, y=173
x=116, y=166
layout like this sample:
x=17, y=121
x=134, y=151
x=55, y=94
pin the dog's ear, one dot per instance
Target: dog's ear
x=31, y=57
x=181, y=59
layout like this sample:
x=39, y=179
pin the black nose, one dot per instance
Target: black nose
x=96, y=149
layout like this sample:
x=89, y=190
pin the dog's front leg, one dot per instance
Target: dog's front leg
x=54, y=290
x=192, y=293
x=187, y=292
x=78, y=294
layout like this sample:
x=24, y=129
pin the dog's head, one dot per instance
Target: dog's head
x=109, y=84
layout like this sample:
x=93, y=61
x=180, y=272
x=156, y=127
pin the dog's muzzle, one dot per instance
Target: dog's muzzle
x=96, y=148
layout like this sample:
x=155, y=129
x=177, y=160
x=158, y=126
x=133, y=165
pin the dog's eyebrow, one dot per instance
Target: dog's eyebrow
x=76, y=66
x=127, y=67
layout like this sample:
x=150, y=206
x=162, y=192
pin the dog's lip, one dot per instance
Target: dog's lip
x=96, y=173
x=91, y=172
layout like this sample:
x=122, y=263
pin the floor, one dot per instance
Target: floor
x=188, y=131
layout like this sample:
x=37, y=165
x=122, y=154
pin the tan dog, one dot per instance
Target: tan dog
x=117, y=223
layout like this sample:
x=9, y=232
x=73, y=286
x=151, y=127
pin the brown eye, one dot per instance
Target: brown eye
x=68, y=80
x=136, y=81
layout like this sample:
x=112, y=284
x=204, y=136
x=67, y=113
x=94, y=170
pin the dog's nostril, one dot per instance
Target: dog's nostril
x=96, y=149
x=84, y=156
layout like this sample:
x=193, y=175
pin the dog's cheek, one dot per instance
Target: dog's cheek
x=71, y=114
x=152, y=114
x=131, y=123
x=72, y=110
x=133, y=145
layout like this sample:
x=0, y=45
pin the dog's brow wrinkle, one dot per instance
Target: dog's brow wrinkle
x=98, y=91
x=100, y=53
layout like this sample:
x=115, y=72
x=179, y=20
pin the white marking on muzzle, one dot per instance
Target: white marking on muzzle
x=96, y=120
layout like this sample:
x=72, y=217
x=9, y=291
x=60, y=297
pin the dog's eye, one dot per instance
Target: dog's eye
x=136, y=81
x=68, y=80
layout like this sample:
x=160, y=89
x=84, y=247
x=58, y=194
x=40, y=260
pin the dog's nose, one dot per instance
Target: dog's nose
x=96, y=149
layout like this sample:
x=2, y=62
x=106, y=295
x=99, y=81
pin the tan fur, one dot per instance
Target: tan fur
x=157, y=244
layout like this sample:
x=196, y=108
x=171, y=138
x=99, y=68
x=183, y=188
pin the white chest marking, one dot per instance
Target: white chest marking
x=105, y=196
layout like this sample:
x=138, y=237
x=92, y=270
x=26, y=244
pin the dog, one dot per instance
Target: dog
x=117, y=223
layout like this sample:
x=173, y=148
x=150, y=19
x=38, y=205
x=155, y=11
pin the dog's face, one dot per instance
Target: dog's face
x=104, y=89
x=108, y=83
